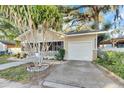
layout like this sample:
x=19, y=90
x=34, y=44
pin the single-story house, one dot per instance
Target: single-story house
x=78, y=45
x=9, y=47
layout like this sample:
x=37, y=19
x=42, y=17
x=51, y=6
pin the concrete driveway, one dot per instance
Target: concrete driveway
x=81, y=74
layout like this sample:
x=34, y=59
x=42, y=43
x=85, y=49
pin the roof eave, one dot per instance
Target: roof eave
x=91, y=33
x=19, y=37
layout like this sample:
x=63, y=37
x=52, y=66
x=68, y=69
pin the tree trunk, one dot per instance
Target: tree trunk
x=97, y=22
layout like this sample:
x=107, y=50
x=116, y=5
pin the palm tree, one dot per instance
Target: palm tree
x=8, y=31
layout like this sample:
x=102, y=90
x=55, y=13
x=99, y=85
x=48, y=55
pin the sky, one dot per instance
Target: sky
x=109, y=17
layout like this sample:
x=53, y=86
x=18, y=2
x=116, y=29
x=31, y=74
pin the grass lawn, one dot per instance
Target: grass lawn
x=16, y=73
x=20, y=74
x=3, y=59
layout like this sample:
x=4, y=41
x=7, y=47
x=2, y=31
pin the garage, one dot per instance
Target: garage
x=80, y=50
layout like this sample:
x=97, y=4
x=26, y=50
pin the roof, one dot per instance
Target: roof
x=109, y=41
x=7, y=42
x=28, y=32
x=71, y=33
x=79, y=32
x=84, y=32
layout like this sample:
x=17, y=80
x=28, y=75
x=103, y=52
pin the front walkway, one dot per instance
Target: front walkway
x=12, y=84
x=17, y=62
x=12, y=64
x=80, y=74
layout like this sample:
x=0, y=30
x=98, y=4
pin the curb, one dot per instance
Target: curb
x=56, y=85
x=110, y=73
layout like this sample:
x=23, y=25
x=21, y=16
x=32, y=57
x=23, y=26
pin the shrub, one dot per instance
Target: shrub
x=113, y=61
x=60, y=55
x=24, y=55
x=111, y=57
x=18, y=55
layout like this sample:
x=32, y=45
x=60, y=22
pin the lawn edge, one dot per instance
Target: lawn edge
x=116, y=77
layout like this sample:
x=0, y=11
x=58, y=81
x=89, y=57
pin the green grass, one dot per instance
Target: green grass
x=16, y=73
x=5, y=56
x=3, y=59
x=117, y=68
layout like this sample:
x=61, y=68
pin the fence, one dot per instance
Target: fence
x=112, y=49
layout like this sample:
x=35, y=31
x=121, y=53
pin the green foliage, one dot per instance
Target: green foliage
x=60, y=55
x=3, y=58
x=32, y=16
x=7, y=30
x=106, y=26
x=113, y=61
x=102, y=37
x=111, y=57
x=21, y=55
x=50, y=14
x=24, y=55
x=3, y=61
x=18, y=43
x=18, y=55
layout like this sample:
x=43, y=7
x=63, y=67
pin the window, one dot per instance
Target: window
x=54, y=46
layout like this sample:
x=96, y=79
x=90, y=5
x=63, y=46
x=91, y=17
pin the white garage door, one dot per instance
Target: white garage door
x=80, y=51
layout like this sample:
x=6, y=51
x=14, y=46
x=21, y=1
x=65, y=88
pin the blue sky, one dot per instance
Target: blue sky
x=109, y=17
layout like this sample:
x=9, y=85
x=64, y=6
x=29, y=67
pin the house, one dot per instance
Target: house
x=113, y=44
x=9, y=47
x=2, y=47
x=78, y=45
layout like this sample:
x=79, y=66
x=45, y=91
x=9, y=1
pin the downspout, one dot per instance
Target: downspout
x=95, y=50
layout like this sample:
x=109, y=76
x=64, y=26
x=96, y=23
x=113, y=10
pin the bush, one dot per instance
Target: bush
x=111, y=57
x=18, y=55
x=60, y=55
x=24, y=55
x=113, y=61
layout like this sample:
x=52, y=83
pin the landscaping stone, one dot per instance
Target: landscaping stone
x=38, y=68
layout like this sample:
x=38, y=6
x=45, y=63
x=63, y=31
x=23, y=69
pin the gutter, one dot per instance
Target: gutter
x=91, y=33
